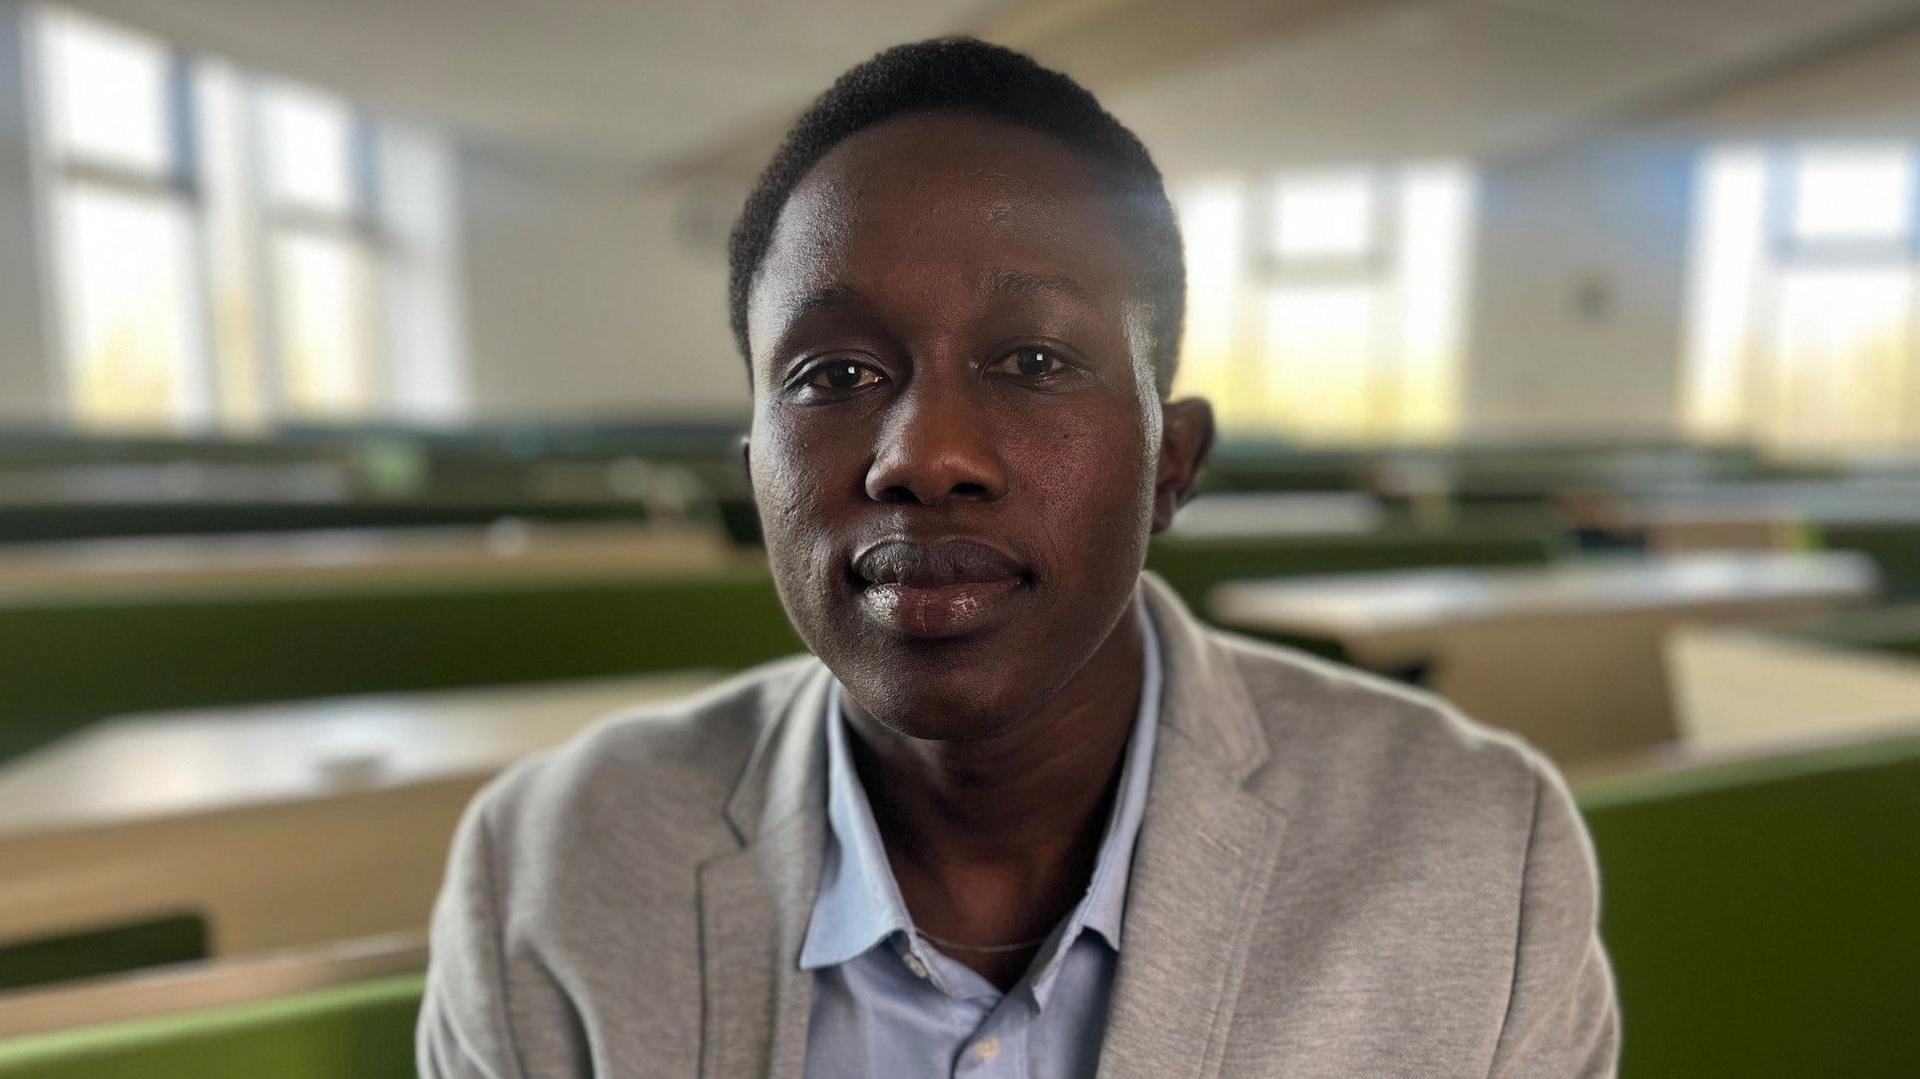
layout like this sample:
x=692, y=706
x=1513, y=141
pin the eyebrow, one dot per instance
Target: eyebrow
x=1020, y=283
x=1024, y=283
x=827, y=297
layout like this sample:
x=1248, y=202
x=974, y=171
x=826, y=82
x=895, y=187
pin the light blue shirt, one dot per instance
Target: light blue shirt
x=888, y=1003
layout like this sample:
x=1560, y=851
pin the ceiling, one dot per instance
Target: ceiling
x=707, y=85
x=1482, y=78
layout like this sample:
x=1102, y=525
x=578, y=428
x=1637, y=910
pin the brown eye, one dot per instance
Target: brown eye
x=842, y=375
x=1030, y=363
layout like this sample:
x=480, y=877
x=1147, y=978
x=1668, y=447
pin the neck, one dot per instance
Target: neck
x=994, y=840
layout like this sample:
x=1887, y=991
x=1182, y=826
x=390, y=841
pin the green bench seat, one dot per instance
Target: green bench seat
x=1764, y=917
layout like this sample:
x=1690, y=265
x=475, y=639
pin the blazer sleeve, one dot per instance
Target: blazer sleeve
x=1562, y=1018
x=464, y=1031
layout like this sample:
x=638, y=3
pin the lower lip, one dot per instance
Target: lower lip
x=946, y=611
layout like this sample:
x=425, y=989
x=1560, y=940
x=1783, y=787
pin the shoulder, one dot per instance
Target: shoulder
x=655, y=774
x=1351, y=742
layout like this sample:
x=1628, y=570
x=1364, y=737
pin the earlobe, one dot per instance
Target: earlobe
x=1186, y=438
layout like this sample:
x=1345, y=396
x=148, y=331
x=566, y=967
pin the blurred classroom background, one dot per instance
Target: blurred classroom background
x=367, y=411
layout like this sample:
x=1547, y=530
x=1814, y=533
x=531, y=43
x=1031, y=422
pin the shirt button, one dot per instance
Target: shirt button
x=914, y=964
x=986, y=1049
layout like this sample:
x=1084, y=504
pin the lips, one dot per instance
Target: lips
x=948, y=588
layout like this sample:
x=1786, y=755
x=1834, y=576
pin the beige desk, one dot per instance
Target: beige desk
x=284, y=825
x=1570, y=656
x=256, y=561
x=1265, y=515
x=1738, y=689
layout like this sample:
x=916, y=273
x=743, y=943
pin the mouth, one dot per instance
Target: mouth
x=948, y=588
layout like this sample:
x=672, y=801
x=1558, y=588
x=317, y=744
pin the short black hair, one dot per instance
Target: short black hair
x=968, y=75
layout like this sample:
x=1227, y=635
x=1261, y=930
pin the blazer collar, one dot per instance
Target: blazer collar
x=754, y=902
x=1206, y=856
x=1203, y=860
x=1206, y=701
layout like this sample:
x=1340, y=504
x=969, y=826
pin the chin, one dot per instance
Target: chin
x=943, y=701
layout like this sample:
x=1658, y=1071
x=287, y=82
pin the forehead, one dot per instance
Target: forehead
x=923, y=207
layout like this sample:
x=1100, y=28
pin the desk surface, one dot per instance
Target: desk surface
x=1261, y=516
x=1401, y=600
x=1863, y=500
x=248, y=563
x=1736, y=689
x=165, y=764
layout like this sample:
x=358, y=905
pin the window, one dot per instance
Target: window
x=236, y=251
x=323, y=253
x=1324, y=305
x=1802, y=321
x=123, y=228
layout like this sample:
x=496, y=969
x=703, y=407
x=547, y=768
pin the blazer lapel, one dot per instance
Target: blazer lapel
x=755, y=902
x=1206, y=855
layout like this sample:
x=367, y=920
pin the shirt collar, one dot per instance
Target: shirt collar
x=859, y=905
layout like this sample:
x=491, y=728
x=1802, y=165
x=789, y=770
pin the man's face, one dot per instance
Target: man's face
x=956, y=432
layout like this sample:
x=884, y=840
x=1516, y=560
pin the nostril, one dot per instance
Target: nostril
x=969, y=490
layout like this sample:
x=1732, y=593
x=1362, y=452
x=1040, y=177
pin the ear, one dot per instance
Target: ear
x=746, y=456
x=1186, y=438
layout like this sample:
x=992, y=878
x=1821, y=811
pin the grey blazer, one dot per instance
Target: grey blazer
x=1335, y=877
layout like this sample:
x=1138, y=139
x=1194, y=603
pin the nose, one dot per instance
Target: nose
x=936, y=445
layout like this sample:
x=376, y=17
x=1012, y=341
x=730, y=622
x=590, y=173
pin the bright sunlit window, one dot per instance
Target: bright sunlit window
x=232, y=251
x=1324, y=306
x=123, y=228
x=323, y=254
x=1803, y=293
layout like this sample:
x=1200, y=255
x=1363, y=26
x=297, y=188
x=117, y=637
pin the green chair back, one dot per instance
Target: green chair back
x=1893, y=630
x=1893, y=546
x=360, y=1031
x=1764, y=918
x=112, y=949
x=71, y=662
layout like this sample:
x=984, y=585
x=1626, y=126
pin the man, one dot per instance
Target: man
x=1022, y=815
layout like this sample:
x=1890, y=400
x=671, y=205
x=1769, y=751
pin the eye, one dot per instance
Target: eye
x=1032, y=362
x=842, y=376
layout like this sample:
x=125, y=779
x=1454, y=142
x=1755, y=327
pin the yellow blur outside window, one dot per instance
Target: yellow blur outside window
x=1802, y=312
x=1324, y=306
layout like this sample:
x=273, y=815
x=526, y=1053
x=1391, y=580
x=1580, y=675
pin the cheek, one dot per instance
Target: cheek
x=800, y=478
x=1093, y=482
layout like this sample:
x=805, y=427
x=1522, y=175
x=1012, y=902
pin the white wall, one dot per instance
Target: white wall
x=1578, y=324
x=588, y=293
x=1579, y=292
x=27, y=390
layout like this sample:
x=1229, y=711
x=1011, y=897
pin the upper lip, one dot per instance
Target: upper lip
x=934, y=564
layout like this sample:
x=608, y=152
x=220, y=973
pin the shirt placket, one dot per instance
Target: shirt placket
x=997, y=1049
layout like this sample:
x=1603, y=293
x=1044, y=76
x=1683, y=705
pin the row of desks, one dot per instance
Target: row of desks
x=294, y=825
